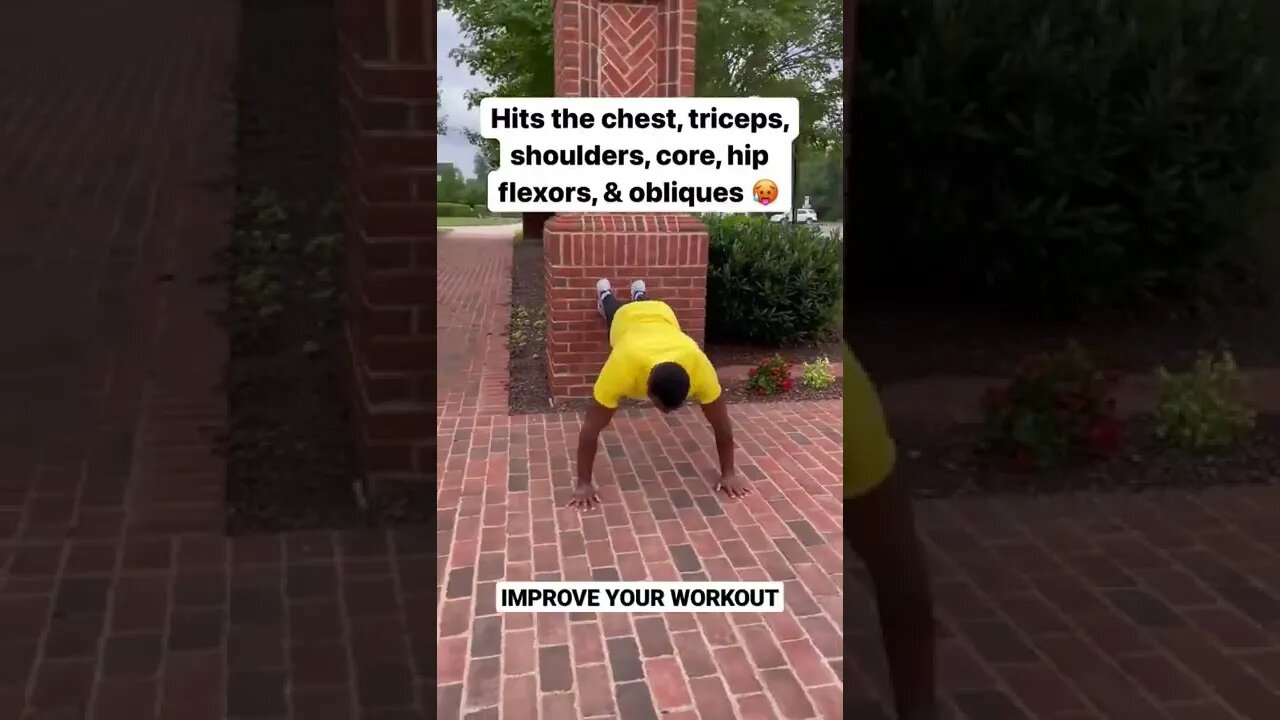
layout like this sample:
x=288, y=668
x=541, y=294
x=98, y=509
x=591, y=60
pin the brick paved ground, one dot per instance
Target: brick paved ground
x=1125, y=606
x=503, y=488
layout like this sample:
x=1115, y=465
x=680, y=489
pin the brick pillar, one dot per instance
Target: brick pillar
x=605, y=48
x=389, y=159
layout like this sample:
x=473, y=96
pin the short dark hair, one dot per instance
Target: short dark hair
x=669, y=383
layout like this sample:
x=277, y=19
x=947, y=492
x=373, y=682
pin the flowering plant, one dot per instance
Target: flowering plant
x=1058, y=408
x=817, y=375
x=771, y=376
x=1204, y=409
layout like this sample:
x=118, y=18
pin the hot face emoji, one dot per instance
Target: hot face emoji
x=765, y=191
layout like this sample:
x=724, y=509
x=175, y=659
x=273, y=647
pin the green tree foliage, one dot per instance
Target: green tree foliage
x=456, y=189
x=820, y=177
x=441, y=128
x=452, y=186
x=787, y=48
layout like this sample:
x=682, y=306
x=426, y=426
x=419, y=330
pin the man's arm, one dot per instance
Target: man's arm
x=597, y=419
x=717, y=414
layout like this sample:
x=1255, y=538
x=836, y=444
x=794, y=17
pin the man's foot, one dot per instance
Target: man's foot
x=638, y=291
x=604, y=289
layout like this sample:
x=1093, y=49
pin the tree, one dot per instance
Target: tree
x=820, y=176
x=790, y=48
x=452, y=186
x=475, y=194
x=441, y=128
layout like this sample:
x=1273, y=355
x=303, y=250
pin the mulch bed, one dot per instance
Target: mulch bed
x=739, y=392
x=726, y=354
x=939, y=461
x=291, y=463
x=938, y=458
x=528, y=390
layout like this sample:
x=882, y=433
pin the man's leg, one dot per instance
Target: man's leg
x=606, y=302
x=880, y=527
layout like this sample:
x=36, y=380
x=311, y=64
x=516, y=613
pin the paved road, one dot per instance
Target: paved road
x=480, y=231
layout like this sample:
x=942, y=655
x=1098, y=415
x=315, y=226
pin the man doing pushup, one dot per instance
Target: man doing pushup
x=651, y=358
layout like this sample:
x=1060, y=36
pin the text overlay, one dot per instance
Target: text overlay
x=609, y=155
x=640, y=596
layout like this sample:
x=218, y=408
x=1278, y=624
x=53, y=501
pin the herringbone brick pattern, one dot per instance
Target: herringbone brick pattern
x=628, y=50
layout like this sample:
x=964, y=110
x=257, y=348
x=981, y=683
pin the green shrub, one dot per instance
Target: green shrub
x=1058, y=155
x=1203, y=409
x=817, y=375
x=1057, y=409
x=770, y=283
x=448, y=209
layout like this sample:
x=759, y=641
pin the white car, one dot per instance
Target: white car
x=803, y=215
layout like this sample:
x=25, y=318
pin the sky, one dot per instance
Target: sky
x=455, y=81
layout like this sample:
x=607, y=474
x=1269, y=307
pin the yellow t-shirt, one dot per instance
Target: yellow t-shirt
x=869, y=452
x=646, y=333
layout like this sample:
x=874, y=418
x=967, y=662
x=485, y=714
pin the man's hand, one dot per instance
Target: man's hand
x=733, y=485
x=717, y=413
x=585, y=496
x=595, y=421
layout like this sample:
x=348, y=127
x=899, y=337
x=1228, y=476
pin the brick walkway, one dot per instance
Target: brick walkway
x=1161, y=605
x=503, y=487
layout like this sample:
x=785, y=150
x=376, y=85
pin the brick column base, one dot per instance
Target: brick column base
x=389, y=161
x=668, y=252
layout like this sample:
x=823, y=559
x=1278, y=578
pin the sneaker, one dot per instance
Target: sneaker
x=638, y=290
x=604, y=288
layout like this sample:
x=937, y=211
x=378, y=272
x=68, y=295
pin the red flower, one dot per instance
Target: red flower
x=1104, y=436
x=786, y=384
x=759, y=391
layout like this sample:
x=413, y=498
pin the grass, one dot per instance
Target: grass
x=473, y=221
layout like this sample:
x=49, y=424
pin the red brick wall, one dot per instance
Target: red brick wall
x=387, y=87
x=669, y=252
x=619, y=49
